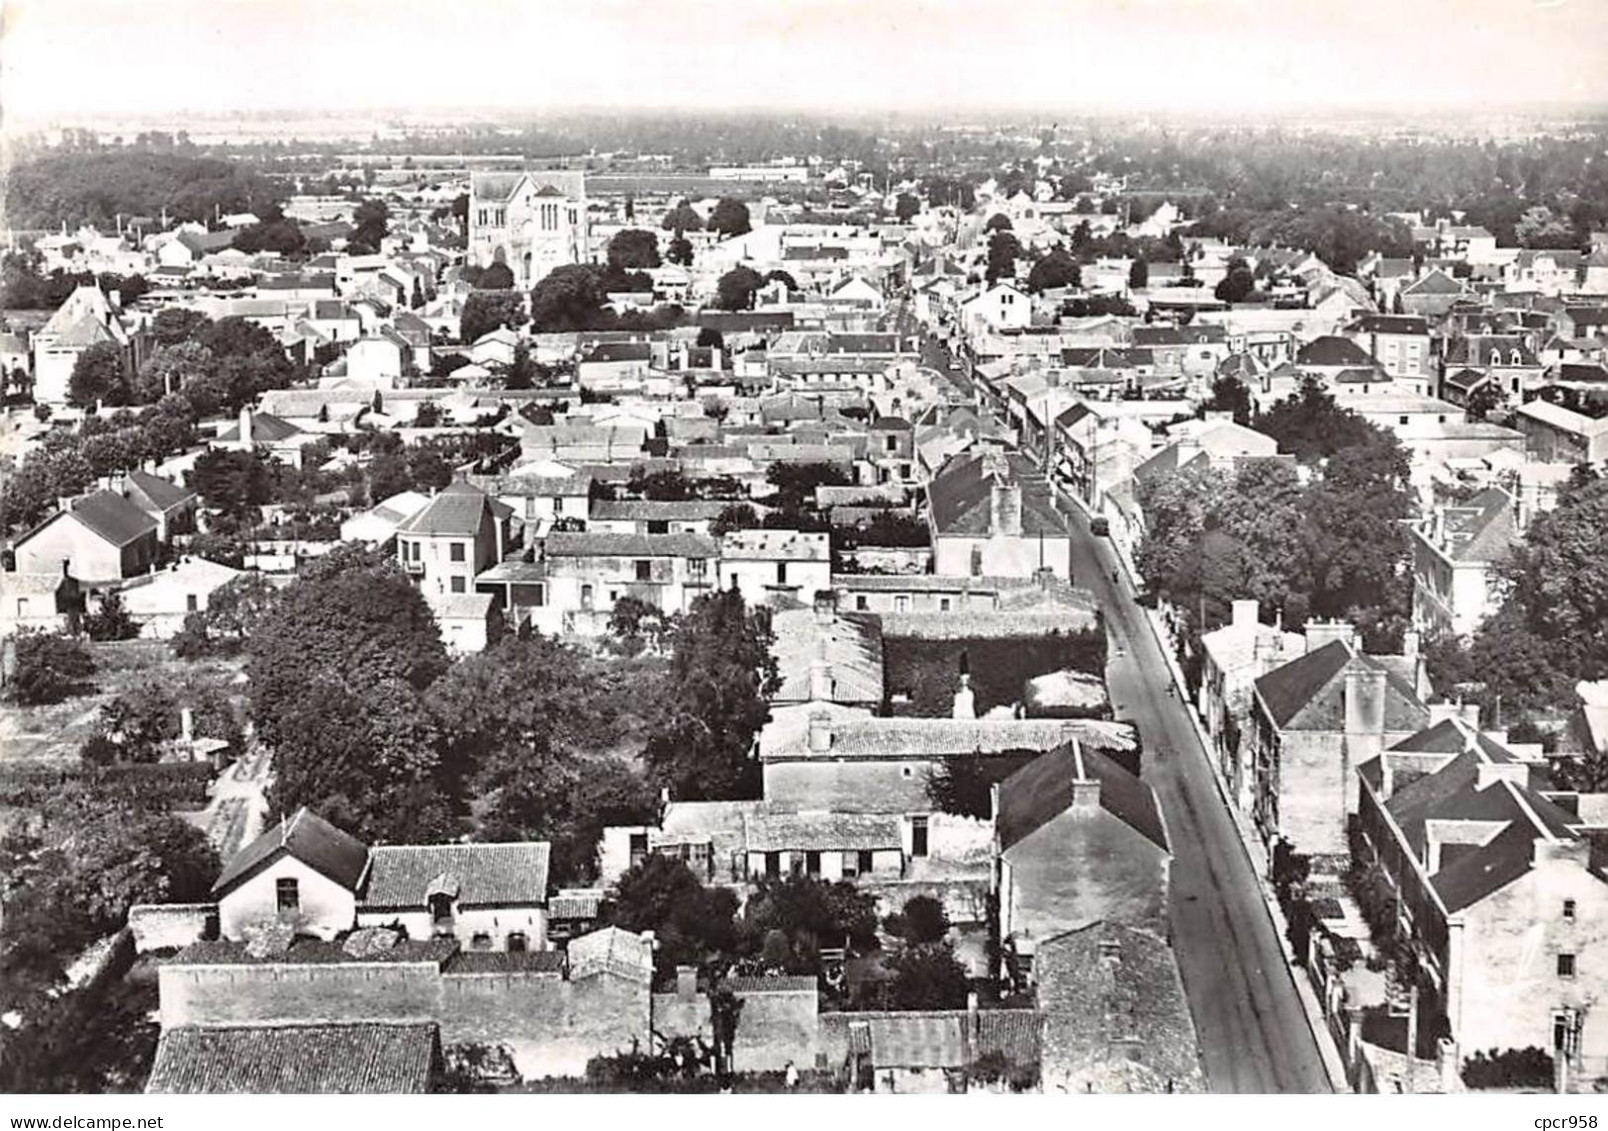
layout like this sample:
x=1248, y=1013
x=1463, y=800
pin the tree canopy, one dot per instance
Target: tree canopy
x=1057, y=269
x=634, y=249
x=682, y=218
x=737, y=288
x=485, y=311
x=730, y=218
x=567, y=298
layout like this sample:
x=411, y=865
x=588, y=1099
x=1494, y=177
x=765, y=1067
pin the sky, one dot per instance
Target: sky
x=63, y=60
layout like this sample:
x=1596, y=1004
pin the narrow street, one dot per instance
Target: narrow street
x=1253, y=1033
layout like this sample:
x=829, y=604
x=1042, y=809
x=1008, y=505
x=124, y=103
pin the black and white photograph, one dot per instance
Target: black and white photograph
x=829, y=547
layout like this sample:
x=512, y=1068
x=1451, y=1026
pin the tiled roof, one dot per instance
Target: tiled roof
x=662, y=510
x=1435, y=282
x=357, y=1057
x=313, y=952
x=1114, y=1013
x=505, y=962
x=604, y=545
x=851, y=646
x=1042, y=790
x=770, y=984
x=1015, y=1033
x=574, y=905
x=266, y=428
x=776, y=545
x=309, y=838
x=1389, y=324
x=918, y=1039
x=822, y=832
x=480, y=875
x=858, y=735
x=459, y=509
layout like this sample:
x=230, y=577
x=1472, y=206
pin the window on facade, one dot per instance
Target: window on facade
x=918, y=836
x=456, y=552
x=644, y=570
x=1401, y=420
x=867, y=862
x=943, y=604
x=1566, y=966
x=892, y=443
x=658, y=526
x=812, y=863
x=697, y=568
x=22, y=607
x=781, y=573
x=287, y=894
x=1568, y=909
x=456, y=584
x=861, y=604
x=517, y=943
x=773, y=864
x=481, y=941
x=191, y=603
x=586, y=596
x=901, y=604
x=441, y=908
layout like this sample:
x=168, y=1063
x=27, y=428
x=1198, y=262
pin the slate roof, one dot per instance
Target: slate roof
x=266, y=428
x=605, y=545
x=161, y=494
x=327, y=850
x=357, y=1057
x=1304, y=694
x=1042, y=790
x=112, y=517
x=1333, y=351
x=1483, y=529
x=1390, y=324
x=1435, y=282
x=960, y=496
x=483, y=875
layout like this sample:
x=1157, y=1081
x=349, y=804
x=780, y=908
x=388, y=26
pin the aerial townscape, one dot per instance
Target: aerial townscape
x=713, y=602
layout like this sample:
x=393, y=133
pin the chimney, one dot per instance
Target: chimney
x=1471, y=715
x=686, y=983
x=1489, y=773
x=1410, y=643
x=1323, y=632
x=1364, y=704
x=965, y=700
x=1005, y=510
x=1085, y=795
x=1446, y=1064
x=825, y=606
x=1440, y=712
x=683, y=356
x=245, y=426
x=820, y=736
x=661, y=354
x=822, y=684
x=1499, y=737
x=186, y=725
x=1243, y=614
x=715, y=357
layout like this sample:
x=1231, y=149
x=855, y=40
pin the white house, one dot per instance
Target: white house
x=999, y=307
x=772, y=567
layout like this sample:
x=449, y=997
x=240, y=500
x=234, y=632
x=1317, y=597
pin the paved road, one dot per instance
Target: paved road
x=1253, y=1033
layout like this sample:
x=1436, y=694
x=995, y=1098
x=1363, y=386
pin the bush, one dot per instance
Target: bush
x=50, y=667
x=1509, y=1068
x=111, y=621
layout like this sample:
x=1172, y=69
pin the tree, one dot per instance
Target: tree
x=906, y=207
x=710, y=338
x=1138, y=274
x=998, y=222
x=737, y=516
x=634, y=249
x=567, y=298
x=1311, y=425
x=50, y=668
x=679, y=250
x=682, y=218
x=1484, y=399
x=174, y=368
x=275, y=234
x=737, y=288
x=176, y=325
x=230, y=618
x=792, y=918
x=371, y=224
x=99, y=375
x=497, y=277
x=1229, y=394
x=1004, y=249
x=730, y=218
x=248, y=361
x=961, y=786
x=111, y=621
x=1055, y=270
x=783, y=277
x=1238, y=283
x=338, y=665
x=721, y=675
x=232, y=482
x=921, y=921
x=691, y=923
x=485, y=311
x=926, y=976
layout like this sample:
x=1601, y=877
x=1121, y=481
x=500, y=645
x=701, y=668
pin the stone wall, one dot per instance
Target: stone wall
x=244, y=993
x=159, y=926
x=552, y=1026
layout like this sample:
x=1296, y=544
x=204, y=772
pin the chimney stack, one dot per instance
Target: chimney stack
x=1410, y=642
x=820, y=736
x=1085, y=793
x=245, y=426
x=965, y=700
x=186, y=725
x=1005, y=510
x=822, y=685
x=1243, y=614
x=825, y=606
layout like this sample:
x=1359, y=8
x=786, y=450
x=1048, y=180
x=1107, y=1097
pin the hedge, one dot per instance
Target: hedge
x=157, y=785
